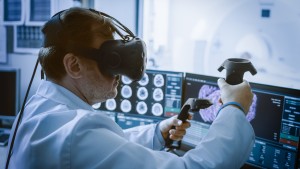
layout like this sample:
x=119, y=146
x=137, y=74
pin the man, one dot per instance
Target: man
x=60, y=129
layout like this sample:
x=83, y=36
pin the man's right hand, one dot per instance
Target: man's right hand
x=240, y=93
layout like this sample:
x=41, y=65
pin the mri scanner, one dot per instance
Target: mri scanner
x=198, y=35
x=266, y=32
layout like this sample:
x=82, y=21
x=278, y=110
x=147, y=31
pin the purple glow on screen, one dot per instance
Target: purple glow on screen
x=213, y=93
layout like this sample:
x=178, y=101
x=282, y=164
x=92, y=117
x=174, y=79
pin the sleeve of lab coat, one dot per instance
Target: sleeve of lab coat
x=147, y=135
x=227, y=145
x=228, y=142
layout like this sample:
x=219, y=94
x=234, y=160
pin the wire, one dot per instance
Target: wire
x=20, y=116
x=119, y=24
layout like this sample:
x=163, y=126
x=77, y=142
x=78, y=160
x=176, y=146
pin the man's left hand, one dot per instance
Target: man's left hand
x=180, y=127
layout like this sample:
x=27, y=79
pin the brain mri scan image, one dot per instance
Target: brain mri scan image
x=157, y=109
x=126, y=80
x=145, y=80
x=213, y=93
x=111, y=104
x=125, y=106
x=158, y=94
x=159, y=80
x=141, y=108
x=142, y=93
x=126, y=91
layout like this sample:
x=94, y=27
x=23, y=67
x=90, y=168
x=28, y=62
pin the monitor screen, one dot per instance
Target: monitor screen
x=274, y=115
x=155, y=97
x=9, y=92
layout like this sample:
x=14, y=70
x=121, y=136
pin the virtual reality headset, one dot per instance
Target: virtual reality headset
x=116, y=57
x=126, y=56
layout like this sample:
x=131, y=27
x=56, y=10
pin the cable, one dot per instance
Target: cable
x=20, y=116
x=117, y=24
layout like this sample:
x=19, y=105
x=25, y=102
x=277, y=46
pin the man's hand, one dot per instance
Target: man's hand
x=180, y=127
x=240, y=93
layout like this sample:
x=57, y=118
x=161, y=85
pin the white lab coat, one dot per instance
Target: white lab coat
x=59, y=130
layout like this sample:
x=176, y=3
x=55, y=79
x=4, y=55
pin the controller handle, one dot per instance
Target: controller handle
x=236, y=67
x=191, y=105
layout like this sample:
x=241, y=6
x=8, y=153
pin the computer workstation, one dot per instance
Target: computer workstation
x=274, y=113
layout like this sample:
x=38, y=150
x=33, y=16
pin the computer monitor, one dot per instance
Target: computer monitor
x=9, y=93
x=158, y=95
x=274, y=115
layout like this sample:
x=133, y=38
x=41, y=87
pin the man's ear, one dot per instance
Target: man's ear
x=72, y=65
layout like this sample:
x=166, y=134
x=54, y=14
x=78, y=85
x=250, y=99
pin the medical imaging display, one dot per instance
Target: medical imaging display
x=274, y=115
x=212, y=92
x=274, y=112
x=156, y=96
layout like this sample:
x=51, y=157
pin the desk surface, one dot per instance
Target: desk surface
x=3, y=153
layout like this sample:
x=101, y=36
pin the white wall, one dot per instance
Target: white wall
x=123, y=11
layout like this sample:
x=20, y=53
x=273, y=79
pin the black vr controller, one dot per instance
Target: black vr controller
x=126, y=56
x=191, y=105
x=236, y=67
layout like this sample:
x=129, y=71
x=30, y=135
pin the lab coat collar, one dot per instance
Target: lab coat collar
x=61, y=95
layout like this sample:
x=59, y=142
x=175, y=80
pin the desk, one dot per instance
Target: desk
x=3, y=153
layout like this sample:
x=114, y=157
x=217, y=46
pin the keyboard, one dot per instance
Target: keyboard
x=4, y=139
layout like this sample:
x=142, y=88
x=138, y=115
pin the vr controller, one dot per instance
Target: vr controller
x=236, y=67
x=126, y=56
x=191, y=105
